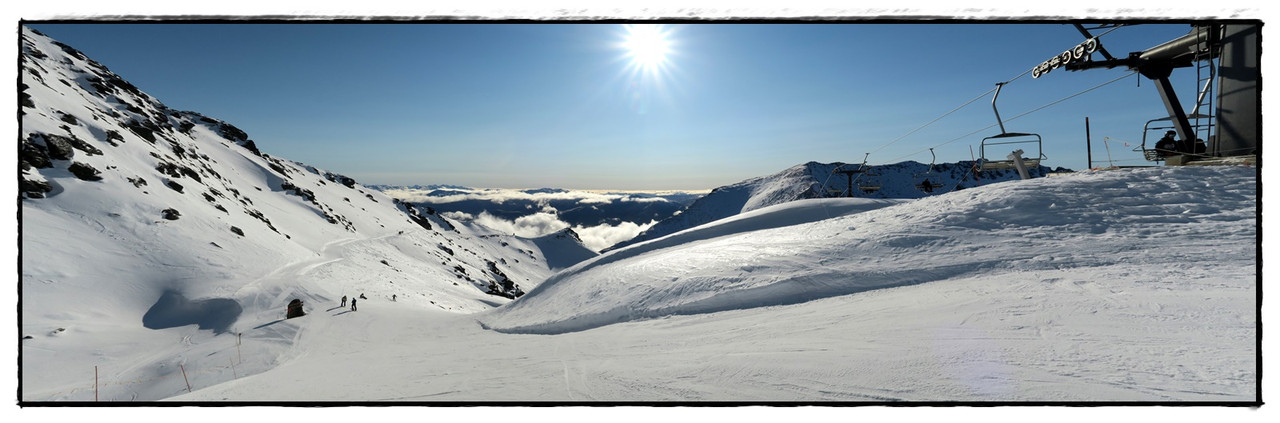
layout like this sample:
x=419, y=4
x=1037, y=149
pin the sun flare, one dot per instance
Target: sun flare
x=647, y=45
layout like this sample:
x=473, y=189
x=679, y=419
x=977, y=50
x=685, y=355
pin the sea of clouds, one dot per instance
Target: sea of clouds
x=601, y=219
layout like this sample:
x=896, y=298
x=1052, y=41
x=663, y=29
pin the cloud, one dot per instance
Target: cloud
x=501, y=196
x=459, y=216
x=535, y=225
x=590, y=213
x=530, y=226
x=603, y=236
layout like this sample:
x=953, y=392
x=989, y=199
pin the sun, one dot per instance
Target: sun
x=647, y=45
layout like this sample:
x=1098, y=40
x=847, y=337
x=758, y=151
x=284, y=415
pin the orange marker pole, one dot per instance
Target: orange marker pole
x=184, y=377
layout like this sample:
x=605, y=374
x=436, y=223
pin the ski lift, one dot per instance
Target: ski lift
x=866, y=181
x=1008, y=138
x=929, y=180
x=1165, y=124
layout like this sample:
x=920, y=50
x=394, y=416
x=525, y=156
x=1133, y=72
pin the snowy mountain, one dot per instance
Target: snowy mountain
x=820, y=180
x=148, y=224
x=159, y=250
x=563, y=249
x=1133, y=285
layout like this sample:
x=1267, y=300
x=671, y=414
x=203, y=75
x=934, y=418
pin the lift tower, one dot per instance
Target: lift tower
x=1236, y=47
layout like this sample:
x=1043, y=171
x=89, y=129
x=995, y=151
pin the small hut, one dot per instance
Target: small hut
x=295, y=309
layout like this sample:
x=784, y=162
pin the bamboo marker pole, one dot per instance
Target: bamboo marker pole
x=184, y=378
x=95, y=383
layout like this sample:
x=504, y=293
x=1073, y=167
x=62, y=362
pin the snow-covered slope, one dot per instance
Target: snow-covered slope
x=1157, y=220
x=562, y=249
x=1128, y=285
x=147, y=232
x=819, y=180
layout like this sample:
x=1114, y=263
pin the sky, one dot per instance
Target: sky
x=577, y=105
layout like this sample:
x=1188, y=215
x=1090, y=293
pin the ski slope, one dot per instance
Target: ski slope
x=1103, y=286
x=188, y=235
x=1136, y=285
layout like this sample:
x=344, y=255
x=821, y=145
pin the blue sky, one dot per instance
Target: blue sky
x=564, y=105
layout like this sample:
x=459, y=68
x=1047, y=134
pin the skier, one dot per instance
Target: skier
x=344, y=301
x=926, y=186
x=353, y=304
x=393, y=298
x=361, y=297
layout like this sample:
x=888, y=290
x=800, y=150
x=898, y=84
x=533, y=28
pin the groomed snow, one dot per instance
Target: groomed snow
x=1128, y=285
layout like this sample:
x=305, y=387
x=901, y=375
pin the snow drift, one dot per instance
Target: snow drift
x=1163, y=218
x=821, y=180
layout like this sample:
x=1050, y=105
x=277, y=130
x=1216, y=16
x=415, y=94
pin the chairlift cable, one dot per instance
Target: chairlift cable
x=1020, y=115
x=967, y=103
x=983, y=95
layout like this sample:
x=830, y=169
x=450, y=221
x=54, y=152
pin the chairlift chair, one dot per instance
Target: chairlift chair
x=865, y=180
x=868, y=181
x=929, y=180
x=1166, y=124
x=1009, y=138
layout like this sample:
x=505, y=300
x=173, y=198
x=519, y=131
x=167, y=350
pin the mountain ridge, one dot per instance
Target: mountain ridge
x=139, y=222
x=822, y=180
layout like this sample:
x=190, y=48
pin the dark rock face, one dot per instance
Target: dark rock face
x=306, y=194
x=141, y=129
x=232, y=133
x=35, y=155
x=59, y=147
x=84, y=171
x=62, y=148
x=33, y=189
x=171, y=214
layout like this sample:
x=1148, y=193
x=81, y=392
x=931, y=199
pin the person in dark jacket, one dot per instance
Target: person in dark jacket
x=344, y=301
x=1167, y=146
x=353, y=304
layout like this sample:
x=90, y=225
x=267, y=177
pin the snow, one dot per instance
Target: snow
x=1135, y=285
x=819, y=180
x=1082, y=288
x=108, y=282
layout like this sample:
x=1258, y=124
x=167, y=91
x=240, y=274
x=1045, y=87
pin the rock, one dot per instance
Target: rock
x=59, y=147
x=84, y=171
x=33, y=189
x=35, y=154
